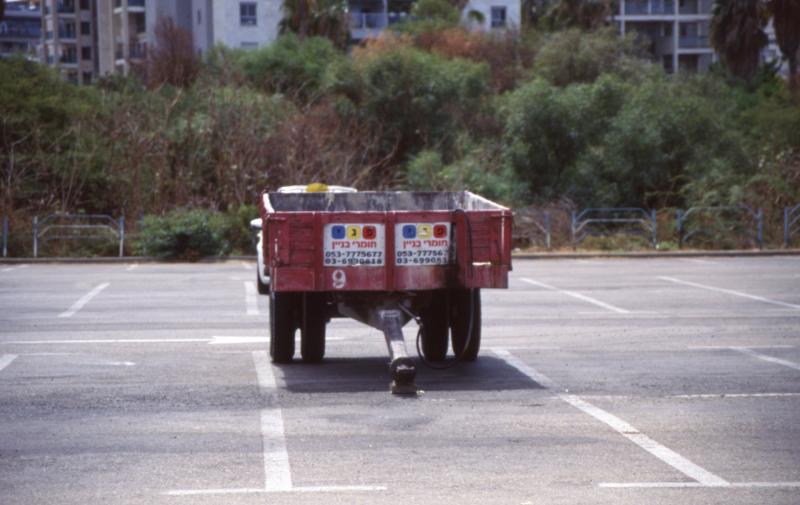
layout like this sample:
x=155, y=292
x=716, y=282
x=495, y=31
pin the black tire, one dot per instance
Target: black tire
x=282, y=325
x=459, y=323
x=435, y=327
x=263, y=289
x=312, y=329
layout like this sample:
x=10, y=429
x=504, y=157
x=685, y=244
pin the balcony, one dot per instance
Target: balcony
x=66, y=32
x=66, y=7
x=367, y=24
x=649, y=8
x=138, y=51
x=133, y=6
x=693, y=42
x=369, y=20
x=136, y=5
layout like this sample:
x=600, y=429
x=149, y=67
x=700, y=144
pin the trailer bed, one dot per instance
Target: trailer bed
x=385, y=241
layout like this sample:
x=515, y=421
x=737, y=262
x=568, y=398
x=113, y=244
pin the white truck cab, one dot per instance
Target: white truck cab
x=262, y=279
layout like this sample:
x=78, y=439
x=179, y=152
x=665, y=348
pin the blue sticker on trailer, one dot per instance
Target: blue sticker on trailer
x=338, y=232
x=409, y=231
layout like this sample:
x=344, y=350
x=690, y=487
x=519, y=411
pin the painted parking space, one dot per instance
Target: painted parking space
x=159, y=390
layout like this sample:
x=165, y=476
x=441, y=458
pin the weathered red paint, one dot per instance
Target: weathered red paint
x=293, y=252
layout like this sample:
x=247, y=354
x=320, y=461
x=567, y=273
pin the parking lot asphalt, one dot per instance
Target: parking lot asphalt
x=600, y=381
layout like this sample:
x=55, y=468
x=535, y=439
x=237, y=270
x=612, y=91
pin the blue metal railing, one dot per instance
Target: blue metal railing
x=791, y=223
x=625, y=220
x=77, y=227
x=686, y=231
x=537, y=220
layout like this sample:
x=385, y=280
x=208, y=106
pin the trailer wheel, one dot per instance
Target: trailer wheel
x=281, y=326
x=459, y=322
x=312, y=331
x=434, y=328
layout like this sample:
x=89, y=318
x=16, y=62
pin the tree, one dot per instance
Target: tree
x=584, y=14
x=786, y=19
x=320, y=18
x=737, y=34
x=172, y=60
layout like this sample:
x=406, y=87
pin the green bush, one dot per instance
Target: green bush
x=291, y=66
x=416, y=99
x=574, y=56
x=187, y=234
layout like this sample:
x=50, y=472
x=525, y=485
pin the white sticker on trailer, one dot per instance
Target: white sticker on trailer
x=417, y=244
x=354, y=244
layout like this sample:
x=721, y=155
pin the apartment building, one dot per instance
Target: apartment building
x=68, y=38
x=126, y=28
x=20, y=30
x=368, y=18
x=676, y=30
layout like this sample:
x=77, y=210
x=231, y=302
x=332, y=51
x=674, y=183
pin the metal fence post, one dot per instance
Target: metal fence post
x=655, y=231
x=121, y=236
x=5, y=236
x=547, y=228
x=786, y=227
x=35, y=236
x=679, y=227
x=760, y=224
x=574, y=223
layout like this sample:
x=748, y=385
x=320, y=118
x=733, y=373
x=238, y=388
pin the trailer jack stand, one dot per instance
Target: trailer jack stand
x=401, y=366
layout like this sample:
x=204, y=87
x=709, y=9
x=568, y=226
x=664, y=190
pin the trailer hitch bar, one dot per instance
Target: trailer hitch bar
x=401, y=366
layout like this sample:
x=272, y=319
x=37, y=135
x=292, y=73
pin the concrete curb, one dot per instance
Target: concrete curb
x=665, y=254
x=515, y=256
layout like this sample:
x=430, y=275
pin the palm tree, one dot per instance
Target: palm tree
x=786, y=19
x=737, y=34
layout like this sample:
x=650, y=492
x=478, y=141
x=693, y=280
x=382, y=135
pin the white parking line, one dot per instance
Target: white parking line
x=113, y=341
x=668, y=456
x=251, y=298
x=729, y=292
x=700, y=261
x=650, y=485
x=247, y=266
x=266, y=378
x=579, y=296
x=132, y=267
x=16, y=267
x=211, y=341
x=277, y=473
x=6, y=360
x=764, y=357
x=84, y=300
x=277, y=469
x=712, y=396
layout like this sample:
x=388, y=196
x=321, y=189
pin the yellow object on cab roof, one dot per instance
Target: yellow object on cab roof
x=317, y=187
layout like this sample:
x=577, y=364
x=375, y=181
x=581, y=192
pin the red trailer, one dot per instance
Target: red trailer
x=383, y=258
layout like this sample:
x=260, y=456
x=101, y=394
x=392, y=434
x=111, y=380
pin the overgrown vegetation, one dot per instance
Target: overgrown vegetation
x=563, y=113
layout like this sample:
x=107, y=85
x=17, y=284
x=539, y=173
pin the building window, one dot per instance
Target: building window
x=84, y=5
x=86, y=53
x=87, y=77
x=86, y=28
x=247, y=13
x=199, y=16
x=247, y=46
x=498, y=17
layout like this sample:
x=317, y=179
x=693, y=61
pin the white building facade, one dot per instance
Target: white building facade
x=244, y=24
x=678, y=32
